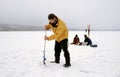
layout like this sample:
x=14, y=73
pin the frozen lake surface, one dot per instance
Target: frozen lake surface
x=21, y=55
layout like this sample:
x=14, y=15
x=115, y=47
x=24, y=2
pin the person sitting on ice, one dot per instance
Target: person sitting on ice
x=76, y=40
x=87, y=40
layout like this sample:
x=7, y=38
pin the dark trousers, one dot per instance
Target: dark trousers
x=58, y=47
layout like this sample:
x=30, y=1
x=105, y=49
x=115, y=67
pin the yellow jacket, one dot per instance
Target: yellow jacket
x=60, y=32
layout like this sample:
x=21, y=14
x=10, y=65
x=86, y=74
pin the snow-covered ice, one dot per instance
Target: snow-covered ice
x=21, y=55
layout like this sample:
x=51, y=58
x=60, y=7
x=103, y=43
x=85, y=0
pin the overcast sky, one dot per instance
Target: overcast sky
x=76, y=13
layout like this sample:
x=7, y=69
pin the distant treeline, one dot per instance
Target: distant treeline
x=5, y=27
x=8, y=27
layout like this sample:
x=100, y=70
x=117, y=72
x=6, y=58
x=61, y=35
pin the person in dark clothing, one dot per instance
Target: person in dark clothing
x=87, y=40
x=60, y=36
x=76, y=40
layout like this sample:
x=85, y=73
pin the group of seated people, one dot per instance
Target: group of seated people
x=87, y=40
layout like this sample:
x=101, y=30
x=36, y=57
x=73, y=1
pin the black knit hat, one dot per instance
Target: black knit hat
x=51, y=16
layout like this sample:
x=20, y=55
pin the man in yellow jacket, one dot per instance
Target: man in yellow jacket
x=60, y=36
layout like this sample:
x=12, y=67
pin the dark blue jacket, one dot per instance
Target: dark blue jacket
x=88, y=40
